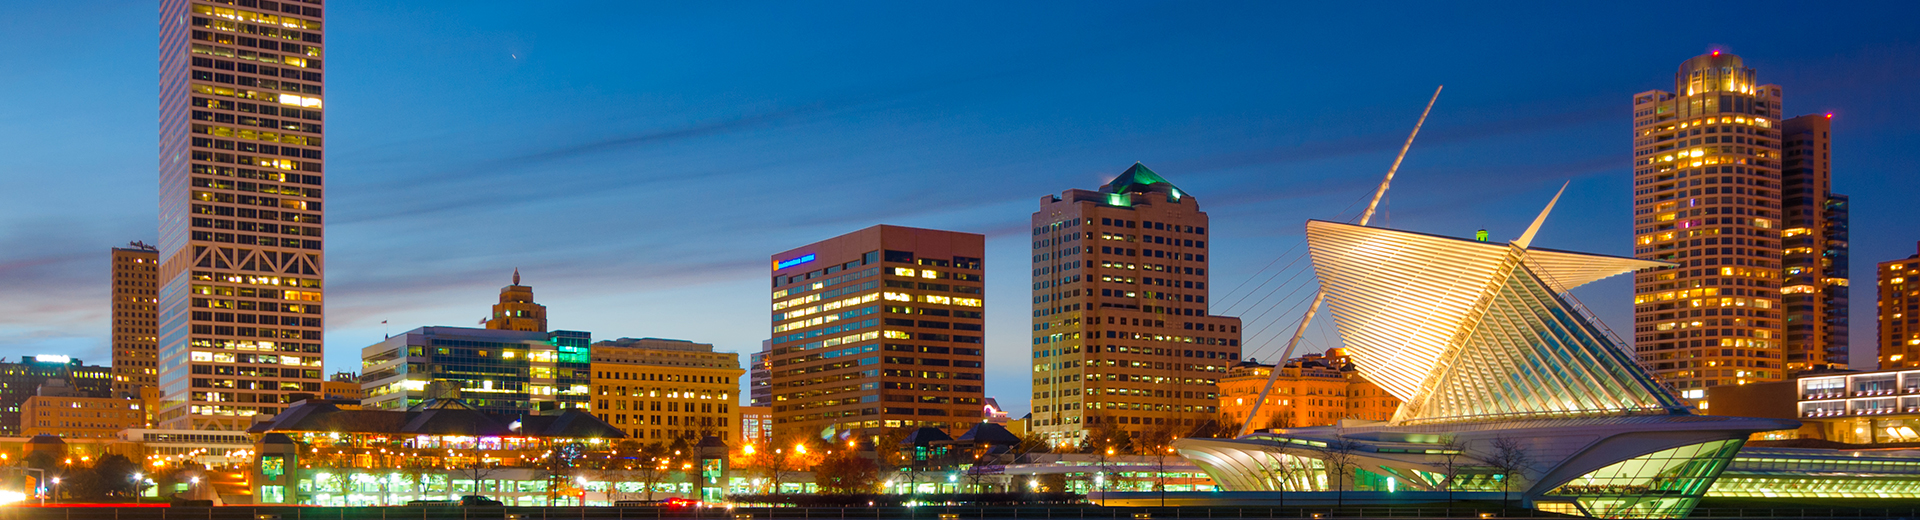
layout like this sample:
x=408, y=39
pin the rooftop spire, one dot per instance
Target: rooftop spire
x=516, y=276
x=1526, y=239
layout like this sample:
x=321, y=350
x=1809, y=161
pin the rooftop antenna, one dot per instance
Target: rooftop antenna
x=1321, y=295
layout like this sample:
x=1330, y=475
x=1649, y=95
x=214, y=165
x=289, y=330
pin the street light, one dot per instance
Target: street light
x=56, y=490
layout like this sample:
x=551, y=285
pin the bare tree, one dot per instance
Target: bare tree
x=559, y=463
x=1452, y=454
x=791, y=455
x=1510, y=457
x=477, y=469
x=1158, y=442
x=651, y=463
x=1341, y=457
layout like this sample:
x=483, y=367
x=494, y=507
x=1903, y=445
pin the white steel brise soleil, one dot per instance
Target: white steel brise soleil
x=1320, y=296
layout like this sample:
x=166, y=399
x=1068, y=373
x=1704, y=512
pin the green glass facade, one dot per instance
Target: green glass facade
x=497, y=371
x=1662, y=484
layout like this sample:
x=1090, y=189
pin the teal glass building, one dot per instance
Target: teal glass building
x=495, y=371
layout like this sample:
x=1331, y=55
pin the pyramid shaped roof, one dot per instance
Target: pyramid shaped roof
x=989, y=433
x=1140, y=179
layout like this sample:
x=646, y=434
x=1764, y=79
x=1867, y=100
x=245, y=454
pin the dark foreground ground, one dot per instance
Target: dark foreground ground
x=1714, y=509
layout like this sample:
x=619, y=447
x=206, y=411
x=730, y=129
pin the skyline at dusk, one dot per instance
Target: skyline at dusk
x=639, y=163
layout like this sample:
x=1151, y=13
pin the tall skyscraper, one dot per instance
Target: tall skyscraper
x=240, y=209
x=1742, y=200
x=136, y=288
x=1813, y=287
x=878, y=329
x=1898, y=309
x=1122, y=336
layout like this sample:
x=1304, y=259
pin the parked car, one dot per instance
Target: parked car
x=477, y=500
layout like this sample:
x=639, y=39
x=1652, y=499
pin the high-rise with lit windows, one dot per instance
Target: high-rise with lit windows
x=878, y=329
x=1898, y=310
x=1741, y=199
x=240, y=209
x=1122, y=336
x=136, y=286
x=1813, y=241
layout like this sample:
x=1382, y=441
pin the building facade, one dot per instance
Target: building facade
x=1867, y=408
x=756, y=425
x=1813, y=283
x=1898, y=311
x=20, y=382
x=876, y=329
x=496, y=371
x=342, y=386
x=1122, y=335
x=318, y=454
x=760, y=376
x=514, y=365
x=80, y=417
x=1313, y=390
x=241, y=257
x=1707, y=197
x=659, y=390
x=136, y=289
x=516, y=310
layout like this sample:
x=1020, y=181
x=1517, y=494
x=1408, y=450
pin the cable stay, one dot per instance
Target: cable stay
x=1321, y=296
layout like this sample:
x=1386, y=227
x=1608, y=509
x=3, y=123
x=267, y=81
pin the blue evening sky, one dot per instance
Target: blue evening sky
x=638, y=162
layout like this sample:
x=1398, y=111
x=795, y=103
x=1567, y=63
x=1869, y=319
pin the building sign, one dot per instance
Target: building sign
x=783, y=264
x=272, y=467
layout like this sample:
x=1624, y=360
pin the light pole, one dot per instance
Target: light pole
x=56, y=490
x=136, y=487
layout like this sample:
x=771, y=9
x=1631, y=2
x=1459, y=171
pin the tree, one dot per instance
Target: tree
x=789, y=455
x=558, y=463
x=110, y=476
x=1341, y=458
x=651, y=462
x=1509, y=457
x=1104, y=435
x=845, y=472
x=887, y=453
x=1219, y=427
x=1032, y=443
x=475, y=469
x=1281, y=473
x=1451, y=456
x=1158, y=443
